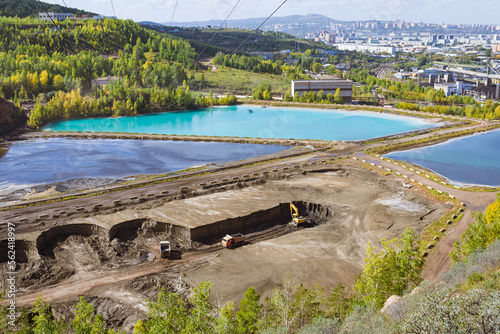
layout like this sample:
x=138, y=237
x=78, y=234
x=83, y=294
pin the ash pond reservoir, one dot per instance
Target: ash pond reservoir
x=255, y=121
x=472, y=160
x=42, y=161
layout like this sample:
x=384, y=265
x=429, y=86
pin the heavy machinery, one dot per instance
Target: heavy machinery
x=297, y=219
x=233, y=240
x=165, y=250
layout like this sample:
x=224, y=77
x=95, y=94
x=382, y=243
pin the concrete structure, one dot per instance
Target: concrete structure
x=54, y=16
x=102, y=81
x=377, y=49
x=484, y=93
x=453, y=88
x=102, y=17
x=495, y=48
x=301, y=87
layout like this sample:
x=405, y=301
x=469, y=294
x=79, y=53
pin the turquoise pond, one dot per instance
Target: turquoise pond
x=472, y=160
x=270, y=122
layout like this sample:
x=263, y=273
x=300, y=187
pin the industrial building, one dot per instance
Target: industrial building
x=453, y=88
x=375, y=49
x=301, y=87
x=54, y=16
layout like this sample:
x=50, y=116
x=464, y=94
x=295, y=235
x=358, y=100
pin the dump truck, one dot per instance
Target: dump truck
x=297, y=219
x=165, y=250
x=233, y=240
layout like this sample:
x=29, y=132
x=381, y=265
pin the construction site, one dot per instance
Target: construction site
x=307, y=214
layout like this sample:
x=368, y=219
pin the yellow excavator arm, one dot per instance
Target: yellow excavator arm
x=296, y=217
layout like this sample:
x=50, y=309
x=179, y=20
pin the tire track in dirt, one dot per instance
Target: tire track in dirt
x=75, y=287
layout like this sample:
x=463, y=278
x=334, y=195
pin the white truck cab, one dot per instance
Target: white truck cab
x=165, y=250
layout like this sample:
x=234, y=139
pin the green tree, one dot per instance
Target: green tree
x=43, y=321
x=140, y=328
x=316, y=67
x=44, y=80
x=200, y=318
x=445, y=311
x=338, y=303
x=291, y=306
x=482, y=233
x=263, y=91
x=497, y=112
x=250, y=312
x=226, y=322
x=86, y=320
x=422, y=60
x=168, y=314
x=390, y=271
x=337, y=97
x=58, y=82
x=321, y=326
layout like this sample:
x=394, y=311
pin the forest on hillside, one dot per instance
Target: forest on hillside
x=149, y=71
x=31, y=8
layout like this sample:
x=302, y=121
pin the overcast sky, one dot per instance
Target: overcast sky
x=431, y=11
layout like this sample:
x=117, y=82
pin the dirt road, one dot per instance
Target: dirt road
x=439, y=261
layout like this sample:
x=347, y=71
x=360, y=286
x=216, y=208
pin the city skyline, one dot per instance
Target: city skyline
x=429, y=11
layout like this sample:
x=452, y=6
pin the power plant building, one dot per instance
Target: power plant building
x=301, y=87
x=54, y=16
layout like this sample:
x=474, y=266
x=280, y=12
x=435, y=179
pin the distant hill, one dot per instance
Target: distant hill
x=31, y=8
x=313, y=20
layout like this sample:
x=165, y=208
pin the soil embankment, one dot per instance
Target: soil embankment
x=11, y=119
x=113, y=258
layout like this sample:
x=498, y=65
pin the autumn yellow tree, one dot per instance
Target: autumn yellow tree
x=44, y=80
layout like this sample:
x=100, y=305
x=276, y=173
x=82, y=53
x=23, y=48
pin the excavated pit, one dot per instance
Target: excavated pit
x=147, y=228
x=260, y=221
x=48, y=240
x=21, y=251
x=77, y=249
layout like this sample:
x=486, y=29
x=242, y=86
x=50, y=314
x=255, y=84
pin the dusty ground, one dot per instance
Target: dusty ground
x=118, y=268
x=348, y=207
x=364, y=208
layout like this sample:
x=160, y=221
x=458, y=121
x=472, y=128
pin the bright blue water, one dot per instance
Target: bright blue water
x=58, y=159
x=271, y=122
x=473, y=160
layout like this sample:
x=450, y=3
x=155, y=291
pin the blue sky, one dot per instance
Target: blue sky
x=435, y=11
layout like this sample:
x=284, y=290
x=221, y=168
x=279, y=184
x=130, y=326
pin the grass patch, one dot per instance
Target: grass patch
x=434, y=228
x=243, y=82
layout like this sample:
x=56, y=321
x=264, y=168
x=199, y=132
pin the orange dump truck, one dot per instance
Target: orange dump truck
x=233, y=240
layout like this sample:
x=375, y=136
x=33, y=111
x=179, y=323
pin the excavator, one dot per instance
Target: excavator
x=296, y=217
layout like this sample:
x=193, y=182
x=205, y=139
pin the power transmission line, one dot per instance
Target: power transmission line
x=173, y=13
x=234, y=51
x=215, y=34
x=113, y=7
x=69, y=43
x=211, y=39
